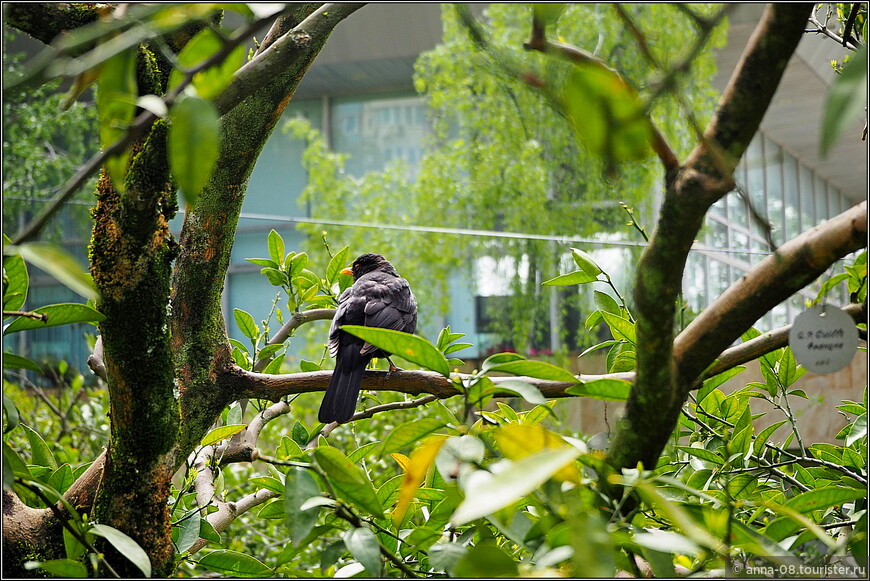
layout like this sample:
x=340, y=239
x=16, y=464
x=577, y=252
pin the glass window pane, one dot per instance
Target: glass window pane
x=821, y=195
x=374, y=131
x=755, y=185
x=740, y=244
x=719, y=279
x=737, y=210
x=833, y=201
x=717, y=235
x=773, y=181
x=807, y=203
x=792, y=200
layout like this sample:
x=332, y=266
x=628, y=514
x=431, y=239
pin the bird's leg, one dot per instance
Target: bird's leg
x=393, y=367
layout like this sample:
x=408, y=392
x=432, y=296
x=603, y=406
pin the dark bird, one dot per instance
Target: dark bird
x=379, y=297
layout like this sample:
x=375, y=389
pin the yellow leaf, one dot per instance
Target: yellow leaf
x=403, y=460
x=519, y=440
x=422, y=458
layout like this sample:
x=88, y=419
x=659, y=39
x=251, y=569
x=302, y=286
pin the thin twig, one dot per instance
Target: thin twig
x=29, y=314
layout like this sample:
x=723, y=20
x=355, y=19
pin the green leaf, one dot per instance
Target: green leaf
x=348, y=480
x=268, y=262
x=62, y=478
x=520, y=478
x=298, y=264
x=605, y=389
x=13, y=466
x=845, y=100
x=221, y=433
x=585, y=262
x=40, y=452
x=267, y=483
x=299, y=487
x=275, y=276
x=62, y=314
x=194, y=142
x=858, y=431
x=269, y=351
x=445, y=556
x=713, y=382
x=538, y=369
x=60, y=568
x=336, y=264
x=10, y=410
x=411, y=347
x=606, y=113
x=246, y=324
x=606, y=303
x=363, y=545
x=213, y=80
x=308, y=366
x=116, y=106
x=621, y=328
x=703, y=454
x=235, y=564
x=525, y=390
x=125, y=545
x=572, y=278
x=457, y=347
x=487, y=561
x=15, y=361
x=763, y=436
x=498, y=358
x=299, y=434
x=276, y=247
x=17, y=279
x=822, y=498
x=410, y=433
x=188, y=532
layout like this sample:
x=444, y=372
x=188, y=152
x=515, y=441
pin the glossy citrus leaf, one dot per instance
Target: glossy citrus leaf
x=411, y=347
x=194, y=142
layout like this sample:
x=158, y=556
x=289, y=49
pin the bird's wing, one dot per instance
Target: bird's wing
x=390, y=304
x=350, y=311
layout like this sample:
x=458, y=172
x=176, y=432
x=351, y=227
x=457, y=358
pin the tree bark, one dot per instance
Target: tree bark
x=658, y=394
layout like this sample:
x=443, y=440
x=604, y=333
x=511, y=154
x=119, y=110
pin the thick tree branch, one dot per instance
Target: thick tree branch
x=247, y=384
x=763, y=344
x=795, y=265
x=282, y=54
x=751, y=88
x=654, y=403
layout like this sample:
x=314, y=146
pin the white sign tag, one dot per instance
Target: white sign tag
x=824, y=339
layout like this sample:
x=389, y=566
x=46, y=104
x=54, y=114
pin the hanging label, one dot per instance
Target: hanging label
x=824, y=339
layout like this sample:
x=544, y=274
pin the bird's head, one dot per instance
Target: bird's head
x=367, y=263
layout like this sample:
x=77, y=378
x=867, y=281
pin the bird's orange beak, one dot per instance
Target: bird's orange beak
x=347, y=270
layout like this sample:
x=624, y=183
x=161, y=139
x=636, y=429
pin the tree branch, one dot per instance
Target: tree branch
x=795, y=265
x=754, y=82
x=298, y=319
x=764, y=344
x=280, y=55
x=654, y=404
x=247, y=384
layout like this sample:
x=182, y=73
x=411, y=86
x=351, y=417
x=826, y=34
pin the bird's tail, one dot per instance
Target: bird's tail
x=339, y=402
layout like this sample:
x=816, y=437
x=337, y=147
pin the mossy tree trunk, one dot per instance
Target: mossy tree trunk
x=163, y=365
